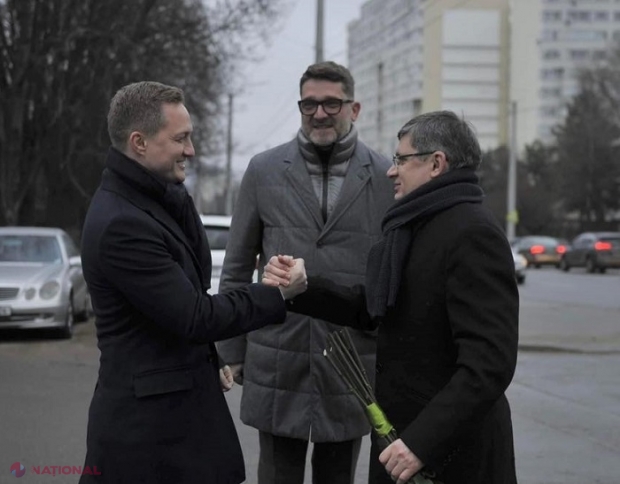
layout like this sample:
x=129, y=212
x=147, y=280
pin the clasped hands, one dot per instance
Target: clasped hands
x=286, y=273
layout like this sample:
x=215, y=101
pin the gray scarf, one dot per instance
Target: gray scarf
x=342, y=149
x=327, y=168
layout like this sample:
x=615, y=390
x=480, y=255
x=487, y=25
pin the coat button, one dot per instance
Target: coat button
x=319, y=244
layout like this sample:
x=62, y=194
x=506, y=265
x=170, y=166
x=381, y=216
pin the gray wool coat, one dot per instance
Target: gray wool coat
x=289, y=388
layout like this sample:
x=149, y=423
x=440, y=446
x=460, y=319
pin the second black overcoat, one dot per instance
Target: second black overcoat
x=158, y=414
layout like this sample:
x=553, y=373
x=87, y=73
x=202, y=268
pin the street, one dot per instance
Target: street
x=565, y=395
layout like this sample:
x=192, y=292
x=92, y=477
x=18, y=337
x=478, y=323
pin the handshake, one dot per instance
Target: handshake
x=286, y=273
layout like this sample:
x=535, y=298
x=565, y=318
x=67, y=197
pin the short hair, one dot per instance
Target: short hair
x=444, y=131
x=138, y=107
x=330, y=71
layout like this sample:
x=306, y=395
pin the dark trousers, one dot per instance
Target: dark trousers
x=283, y=460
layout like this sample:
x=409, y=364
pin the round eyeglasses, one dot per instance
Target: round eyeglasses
x=331, y=106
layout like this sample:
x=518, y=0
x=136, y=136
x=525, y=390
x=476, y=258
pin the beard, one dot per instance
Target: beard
x=325, y=133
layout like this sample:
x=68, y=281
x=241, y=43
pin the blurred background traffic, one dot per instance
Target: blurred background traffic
x=538, y=79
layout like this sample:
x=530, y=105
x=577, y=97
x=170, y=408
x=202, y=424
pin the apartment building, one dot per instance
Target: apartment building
x=474, y=57
x=551, y=41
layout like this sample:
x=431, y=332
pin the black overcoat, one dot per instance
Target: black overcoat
x=447, y=350
x=158, y=414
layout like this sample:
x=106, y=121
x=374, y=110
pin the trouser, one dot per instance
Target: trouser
x=283, y=460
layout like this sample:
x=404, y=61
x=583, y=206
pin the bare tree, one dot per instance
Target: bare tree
x=588, y=165
x=62, y=60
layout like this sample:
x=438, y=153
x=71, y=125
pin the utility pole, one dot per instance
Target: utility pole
x=229, y=150
x=319, y=30
x=512, y=216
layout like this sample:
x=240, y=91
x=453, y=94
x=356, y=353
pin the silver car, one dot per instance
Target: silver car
x=216, y=228
x=520, y=266
x=41, y=280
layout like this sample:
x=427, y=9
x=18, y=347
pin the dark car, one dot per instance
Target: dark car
x=540, y=250
x=596, y=251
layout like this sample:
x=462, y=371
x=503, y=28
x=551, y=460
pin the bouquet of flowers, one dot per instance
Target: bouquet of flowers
x=343, y=356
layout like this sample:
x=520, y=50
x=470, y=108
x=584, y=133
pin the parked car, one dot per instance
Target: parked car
x=520, y=266
x=216, y=228
x=596, y=251
x=540, y=250
x=41, y=280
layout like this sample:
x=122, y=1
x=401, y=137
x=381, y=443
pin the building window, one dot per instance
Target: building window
x=550, y=92
x=549, y=35
x=551, y=54
x=585, y=35
x=549, y=111
x=578, y=55
x=601, y=16
x=552, y=15
x=578, y=15
x=552, y=74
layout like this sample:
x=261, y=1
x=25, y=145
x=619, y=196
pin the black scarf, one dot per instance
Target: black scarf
x=387, y=258
x=173, y=197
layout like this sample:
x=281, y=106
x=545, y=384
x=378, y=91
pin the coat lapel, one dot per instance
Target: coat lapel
x=297, y=174
x=358, y=175
x=156, y=211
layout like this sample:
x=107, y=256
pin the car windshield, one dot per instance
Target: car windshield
x=29, y=248
x=547, y=241
x=217, y=236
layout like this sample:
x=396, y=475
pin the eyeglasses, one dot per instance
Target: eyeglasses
x=332, y=106
x=398, y=160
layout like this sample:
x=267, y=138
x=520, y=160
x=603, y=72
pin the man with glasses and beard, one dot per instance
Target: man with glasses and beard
x=320, y=197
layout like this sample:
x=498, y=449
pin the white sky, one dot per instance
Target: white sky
x=265, y=114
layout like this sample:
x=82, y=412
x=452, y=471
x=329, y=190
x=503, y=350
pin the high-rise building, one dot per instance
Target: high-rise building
x=474, y=57
x=551, y=41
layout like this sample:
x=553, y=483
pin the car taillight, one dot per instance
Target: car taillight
x=602, y=246
x=537, y=249
x=560, y=249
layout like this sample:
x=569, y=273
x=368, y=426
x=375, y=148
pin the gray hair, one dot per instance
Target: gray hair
x=138, y=107
x=444, y=131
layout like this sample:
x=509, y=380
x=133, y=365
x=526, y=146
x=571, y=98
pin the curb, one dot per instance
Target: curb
x=551, y=348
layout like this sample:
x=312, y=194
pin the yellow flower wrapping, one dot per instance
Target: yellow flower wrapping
x=378, y=420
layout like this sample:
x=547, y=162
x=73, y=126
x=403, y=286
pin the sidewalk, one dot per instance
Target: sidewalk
x=568, y=328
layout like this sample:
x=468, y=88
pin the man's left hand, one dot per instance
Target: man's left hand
x=400, y=463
